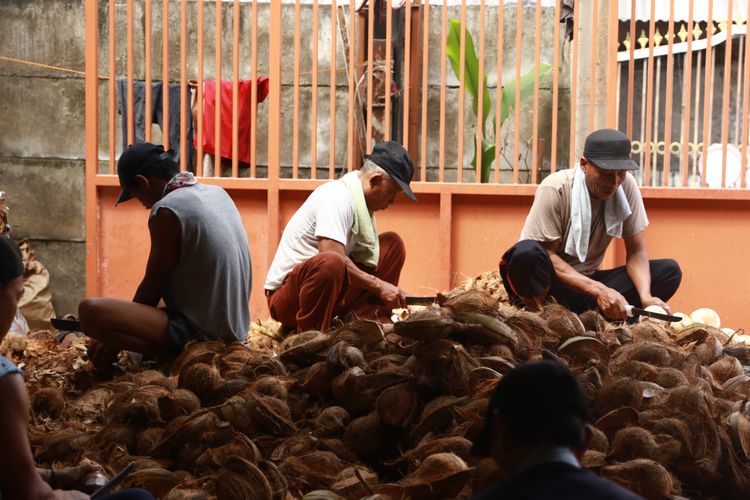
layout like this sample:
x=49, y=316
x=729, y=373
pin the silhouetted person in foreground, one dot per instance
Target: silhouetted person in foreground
x=536, y=430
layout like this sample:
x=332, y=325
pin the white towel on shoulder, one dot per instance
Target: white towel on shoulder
x=364, y=231
x=616, y=210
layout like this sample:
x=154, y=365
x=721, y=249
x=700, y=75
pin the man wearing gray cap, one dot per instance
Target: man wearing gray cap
x=331, y=260
x=575, y=215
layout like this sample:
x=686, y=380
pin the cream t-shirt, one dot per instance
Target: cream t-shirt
x=327, y=213
x=549, y=219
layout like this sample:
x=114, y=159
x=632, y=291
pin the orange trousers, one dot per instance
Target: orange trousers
x=319, y=289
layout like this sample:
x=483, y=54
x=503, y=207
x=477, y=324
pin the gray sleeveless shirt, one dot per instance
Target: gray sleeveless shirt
x=210, y=285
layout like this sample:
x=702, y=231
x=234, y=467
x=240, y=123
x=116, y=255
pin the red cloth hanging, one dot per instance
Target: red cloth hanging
x=244, y=107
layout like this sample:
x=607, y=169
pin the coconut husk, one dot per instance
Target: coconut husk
x=337, y=447
x=562, y=322
x=441, y=475
x=49, y=402
x=350, y=390
x=322, y=495
x=270, y=414
x=593, y=321
x=737, y=386
x=180, y=493
x=360, y=333
x=178, y=403
x=231, y=363
x=229, y=388
x=436, y=416
x=619, y=392
x=582, y=349
x=616, y=419
x=631, y=443
x=304, y=347
x=313, y=470
x=479, y=377
x=154, y=377
x=650, y=331
x=272, y=385
x=158, y=482
x=239, y=478
x=742, y=353
x=119, y=435
x=137, y=407
x=445, y=366
x=359, y=436
x=499, y=364
x=739, y=431
x=428, y=325
x=183, y=429
x=531, y=326
x=457, y=445
x=692, y=333
x=240, y=446
x=470, y=417
x=642, y=476
x=486, y=330
x=709, y=351
x=355, y=482
x=331, y=421
x=397, y=406
x=297, y=444
x=469, y=301
x=725, y=368
x=148, y=439
x=342, y=356
x=279, y=484
x=599, y=440
x=203, y=380
x=197, y=352
x=263, y=364
x=317, y=379
x=652, y=353
x=89, y=408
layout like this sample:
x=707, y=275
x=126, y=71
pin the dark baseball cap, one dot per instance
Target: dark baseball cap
x=11, y=264
x=394, y=159
x=609, y=149
x=134, y=160
x=526, y=268
x=538, y=401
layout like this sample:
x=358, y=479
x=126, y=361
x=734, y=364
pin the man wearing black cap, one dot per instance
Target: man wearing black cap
x=575, y=215
x=199, y=265
x=331, y=259
x=537, y=430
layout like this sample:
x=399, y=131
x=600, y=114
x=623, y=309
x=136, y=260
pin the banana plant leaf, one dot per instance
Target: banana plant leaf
x=471, y=68
x=508, y=99
x=488, y=156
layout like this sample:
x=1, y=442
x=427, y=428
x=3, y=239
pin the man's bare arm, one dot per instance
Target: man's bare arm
x=164, y=228
x=391, y=295
x=639, y=270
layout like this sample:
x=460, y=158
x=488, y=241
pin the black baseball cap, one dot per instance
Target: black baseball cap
x=538, y=400
x=609, y=149
x=134, y=160
x=526, y=269
x=11, y=264
x=394, y=159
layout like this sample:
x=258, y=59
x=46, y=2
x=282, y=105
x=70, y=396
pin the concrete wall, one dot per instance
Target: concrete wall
x=42, y=136
x=42, y=133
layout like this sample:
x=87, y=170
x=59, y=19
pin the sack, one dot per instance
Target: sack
x=36, y=303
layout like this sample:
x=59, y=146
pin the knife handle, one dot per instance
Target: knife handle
x=629, y=310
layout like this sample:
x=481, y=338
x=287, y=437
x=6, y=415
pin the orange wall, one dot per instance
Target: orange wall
x=708, y=237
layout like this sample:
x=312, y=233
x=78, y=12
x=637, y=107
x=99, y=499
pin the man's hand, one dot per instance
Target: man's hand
x=73, y=478
x=102, y=356
x=611, y=303
x=655, y=301
x=391, y=295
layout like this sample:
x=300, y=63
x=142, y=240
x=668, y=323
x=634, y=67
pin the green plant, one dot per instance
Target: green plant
x=472, y=85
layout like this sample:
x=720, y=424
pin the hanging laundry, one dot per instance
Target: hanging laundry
x=244, y=114
x=157, y=115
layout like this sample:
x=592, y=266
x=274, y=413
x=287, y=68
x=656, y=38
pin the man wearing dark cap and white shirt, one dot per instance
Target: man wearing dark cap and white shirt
x=536, y=428
x=331, y=259
x=575, y=215
x=198, y=265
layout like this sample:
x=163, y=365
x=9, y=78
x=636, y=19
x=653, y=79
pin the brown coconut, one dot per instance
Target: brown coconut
x=317, y=379
x=279, y=484
x=313, y=470
x=240, y=446
x=239, y=478
x=472, y=300
x=48, y=402
x=441, y=475
x=158, y=482
x=725, y=368
x=631, y=443
x=445, y=366
x=178, y=403
x=359, y=436
x=197, y=352
x=203, y=380
x=137, y=407
x=425, y=326
x=263, y=364
x=709, y=351
x=397, y=406
x=562, y=322
x=303, y=347
x=148, y=439
x=272, y=385
x=354, y=482
x=643, y=476
x=180, y=493
x=154, y=377
x=593, y=321
x=90, y=406
x=232, y=362
x=331, y=421
x=342, y=356
x=650, y=331
x=619, y=392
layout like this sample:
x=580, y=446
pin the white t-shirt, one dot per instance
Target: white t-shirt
x=327, y=213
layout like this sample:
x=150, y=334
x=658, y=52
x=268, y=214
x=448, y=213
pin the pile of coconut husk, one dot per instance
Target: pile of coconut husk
x=390, y=411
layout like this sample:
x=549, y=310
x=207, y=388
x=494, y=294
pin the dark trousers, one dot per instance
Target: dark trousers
x=320, y=288
x=665, y=279
x=157, y=116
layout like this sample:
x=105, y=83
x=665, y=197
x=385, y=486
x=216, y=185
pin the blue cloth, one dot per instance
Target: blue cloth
x=6, y=367
x=561, y=481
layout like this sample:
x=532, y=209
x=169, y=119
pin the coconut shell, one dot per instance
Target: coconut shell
x=642, y=476
x=49, y=402
x=445, y=366
x=342, y=356
x=148, y=439
x=317, y=379
x=240, y=446
x=738, y=386
x=486, y=330
x=651, y=331
x=354, y=482
x=710, y=351
x=456, y=445
x=360, y=333
x=436, y=416
x=397, y=406
x=279, y=484
x=441, y=475
x=593, y=321
x=263, y=365
x=581, y=349
x=331, y=421
x=313, y=470
x=90, y=406
x=239, y=478
x=297, y=444
x=593, y=460
x=183, y=429
x=303, y=347
x=137, y=407
x=232, y=362
x=616, y=419
x=359, y=436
